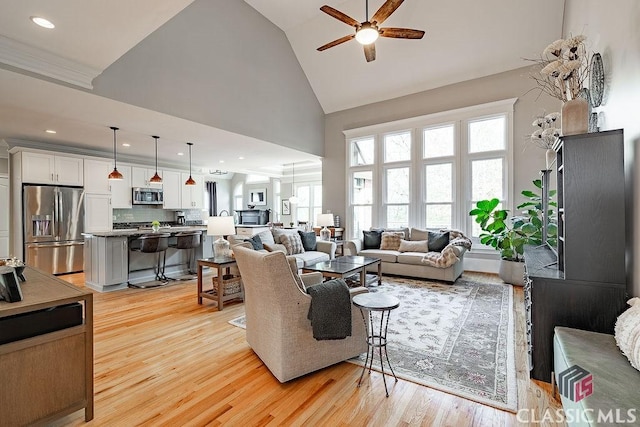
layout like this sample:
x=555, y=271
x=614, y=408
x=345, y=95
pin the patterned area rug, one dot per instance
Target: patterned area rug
x=456, y=338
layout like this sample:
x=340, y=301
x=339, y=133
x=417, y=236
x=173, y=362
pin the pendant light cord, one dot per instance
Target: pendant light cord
x=115, y=157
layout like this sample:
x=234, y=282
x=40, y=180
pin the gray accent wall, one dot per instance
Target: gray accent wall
x=615, y=34
x=528, y=159
x=222, y=64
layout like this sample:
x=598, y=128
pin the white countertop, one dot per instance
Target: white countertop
x=139, y=232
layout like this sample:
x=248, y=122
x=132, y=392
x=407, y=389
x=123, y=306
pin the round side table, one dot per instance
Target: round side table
x=376, y=339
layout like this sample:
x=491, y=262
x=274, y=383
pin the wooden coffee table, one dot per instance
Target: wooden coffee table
x=346, y=266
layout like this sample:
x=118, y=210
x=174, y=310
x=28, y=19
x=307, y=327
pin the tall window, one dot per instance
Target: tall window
x=430, y=171
x=309, y=201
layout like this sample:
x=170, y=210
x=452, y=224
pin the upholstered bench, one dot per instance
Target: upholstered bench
x=615, y=382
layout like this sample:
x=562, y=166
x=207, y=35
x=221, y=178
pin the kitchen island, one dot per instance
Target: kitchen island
x=109, y=265
x=46, y=351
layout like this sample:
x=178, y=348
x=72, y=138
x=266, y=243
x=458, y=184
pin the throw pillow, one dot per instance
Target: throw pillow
x=438, y=241
x=418, y=234
x=371, y=239
x=403, y=230
x=267, y=237
x=255, y=241
x=293, y=243
x=308, y=240
x=391, y=240
x=273, y=247
x=627, y=332
x=413, y=246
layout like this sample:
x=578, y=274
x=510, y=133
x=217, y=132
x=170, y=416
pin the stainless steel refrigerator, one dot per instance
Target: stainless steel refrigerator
x=54, y=222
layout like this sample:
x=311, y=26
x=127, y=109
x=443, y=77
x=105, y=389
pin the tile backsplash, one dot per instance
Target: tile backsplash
x=151, y=213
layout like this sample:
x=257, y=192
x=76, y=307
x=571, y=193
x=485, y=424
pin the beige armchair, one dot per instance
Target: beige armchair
x=276, y=309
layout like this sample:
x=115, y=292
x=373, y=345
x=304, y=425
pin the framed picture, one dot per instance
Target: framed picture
x=258, y=197
x=286, y=207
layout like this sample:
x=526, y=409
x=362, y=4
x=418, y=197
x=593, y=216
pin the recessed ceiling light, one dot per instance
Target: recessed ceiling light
x=44, y=23
x=180, y=154
x=221, y=161
x=50, y=131
x=240, y=158
x=126, y=145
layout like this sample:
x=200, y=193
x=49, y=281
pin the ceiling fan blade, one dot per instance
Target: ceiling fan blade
x=340, y=16
x=336, y=42
x=370, y=52
x=401, y=33
x=385, y=11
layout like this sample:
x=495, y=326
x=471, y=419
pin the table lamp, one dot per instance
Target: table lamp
x=323, y=221
x=221, y=226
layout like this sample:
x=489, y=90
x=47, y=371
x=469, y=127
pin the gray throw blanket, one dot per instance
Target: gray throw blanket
x=330, y=310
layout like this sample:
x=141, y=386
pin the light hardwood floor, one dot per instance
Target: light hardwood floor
x=162, y=359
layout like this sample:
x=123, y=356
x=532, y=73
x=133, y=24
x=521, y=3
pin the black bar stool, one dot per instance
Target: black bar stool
x=189, y=241
x=154, y=243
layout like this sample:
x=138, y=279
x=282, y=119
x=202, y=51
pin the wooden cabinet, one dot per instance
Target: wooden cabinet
x=192, y=195
x=121, y=190
x=42, y=168
x=98, y=215
x=172, y=189
x=140, y=177
x=584, y=285
x=96, y=174
x=50, y=375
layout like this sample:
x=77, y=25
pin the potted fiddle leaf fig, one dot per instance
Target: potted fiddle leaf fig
x=509, y=235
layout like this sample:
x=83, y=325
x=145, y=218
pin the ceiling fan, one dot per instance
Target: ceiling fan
x=367, y=32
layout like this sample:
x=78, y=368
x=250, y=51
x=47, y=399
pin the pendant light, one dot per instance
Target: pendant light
x=156, y=179
x=115, y=175
x=190, y=181
x=293, y=199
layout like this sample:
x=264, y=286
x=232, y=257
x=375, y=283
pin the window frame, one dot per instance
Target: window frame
x=461, y=164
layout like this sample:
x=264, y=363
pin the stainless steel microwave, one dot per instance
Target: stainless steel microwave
x=147, y=196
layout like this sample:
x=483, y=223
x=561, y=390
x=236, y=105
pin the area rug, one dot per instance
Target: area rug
x=240, y=322
x=455, y=338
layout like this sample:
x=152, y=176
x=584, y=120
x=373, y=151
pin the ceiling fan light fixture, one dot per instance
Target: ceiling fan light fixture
x=367, y=34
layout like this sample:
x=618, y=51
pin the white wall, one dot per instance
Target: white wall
x=612, y=29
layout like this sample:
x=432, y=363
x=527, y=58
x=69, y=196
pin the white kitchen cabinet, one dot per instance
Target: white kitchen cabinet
x=41, y=168
x=106, y=262
x=140, y=177
x=96, y=174
x=121, y=189
x=192, y=195
x=97, y=212
x=172, y=189
x=4, y=217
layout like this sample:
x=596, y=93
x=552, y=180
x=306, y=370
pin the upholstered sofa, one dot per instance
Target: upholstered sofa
x=422, y=264
x=271, y=240
x=276, y=308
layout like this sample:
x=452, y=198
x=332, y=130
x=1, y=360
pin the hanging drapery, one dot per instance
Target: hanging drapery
x=213, y=199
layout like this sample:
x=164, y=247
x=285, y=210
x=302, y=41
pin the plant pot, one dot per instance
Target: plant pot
x=512, y=272
x=575, y=117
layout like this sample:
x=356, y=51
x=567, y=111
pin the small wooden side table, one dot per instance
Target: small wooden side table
x=222, y=264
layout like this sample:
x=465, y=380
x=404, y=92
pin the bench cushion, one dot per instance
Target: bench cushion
x=615, y=381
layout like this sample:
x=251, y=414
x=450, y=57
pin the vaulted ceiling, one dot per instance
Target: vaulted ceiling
x=464, y=39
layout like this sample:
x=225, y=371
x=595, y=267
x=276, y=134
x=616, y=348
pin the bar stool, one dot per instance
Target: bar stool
x=189, y=241
x=154, y=243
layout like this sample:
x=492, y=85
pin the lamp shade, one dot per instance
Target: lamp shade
x=221, y=226
x=325, y=220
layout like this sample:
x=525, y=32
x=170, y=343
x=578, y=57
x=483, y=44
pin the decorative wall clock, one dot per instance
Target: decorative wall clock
x=597, y=80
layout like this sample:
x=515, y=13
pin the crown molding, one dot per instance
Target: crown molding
x=41, y=62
